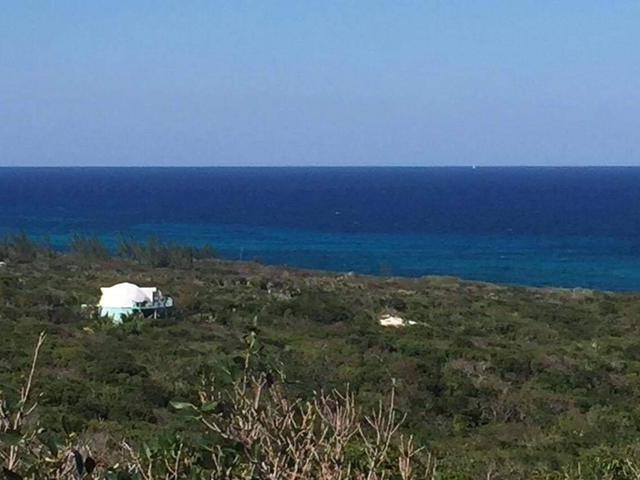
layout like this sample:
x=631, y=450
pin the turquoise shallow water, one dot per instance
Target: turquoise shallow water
x=542, y=227
x=525, y=260
x=532, y=260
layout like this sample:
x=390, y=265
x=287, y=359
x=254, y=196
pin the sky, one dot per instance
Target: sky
x=335, y=83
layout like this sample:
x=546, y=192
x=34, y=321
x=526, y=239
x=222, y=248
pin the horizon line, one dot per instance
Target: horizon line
x=471, y=166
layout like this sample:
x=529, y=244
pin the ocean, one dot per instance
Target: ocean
x=562, y=227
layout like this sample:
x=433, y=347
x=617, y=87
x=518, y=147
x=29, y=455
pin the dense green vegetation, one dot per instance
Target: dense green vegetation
x=503, y=381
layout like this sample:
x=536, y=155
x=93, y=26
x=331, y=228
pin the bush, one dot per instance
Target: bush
x=20, y=248
x=321, y=307
x=89, y=247
x=158, y=254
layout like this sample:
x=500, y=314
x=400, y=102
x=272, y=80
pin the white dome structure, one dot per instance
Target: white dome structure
x=125, y=295
x=127, y=298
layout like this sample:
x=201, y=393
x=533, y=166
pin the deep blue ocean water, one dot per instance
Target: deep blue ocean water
x=568, y=227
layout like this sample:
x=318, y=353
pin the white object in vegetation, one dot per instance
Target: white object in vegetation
x=394, y=321
x=126, y=298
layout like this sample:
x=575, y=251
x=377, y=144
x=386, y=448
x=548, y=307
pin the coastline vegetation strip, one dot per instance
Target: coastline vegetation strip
x=494, y=382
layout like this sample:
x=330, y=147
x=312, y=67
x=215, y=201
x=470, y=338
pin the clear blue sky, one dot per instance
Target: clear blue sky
x=320, y=83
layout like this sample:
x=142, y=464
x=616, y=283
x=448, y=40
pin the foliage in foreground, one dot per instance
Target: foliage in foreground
x=253, y=430
x=250, y=431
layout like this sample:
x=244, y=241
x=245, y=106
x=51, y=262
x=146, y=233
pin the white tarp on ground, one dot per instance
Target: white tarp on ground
x=394, y=321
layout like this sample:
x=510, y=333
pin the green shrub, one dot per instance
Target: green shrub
x=89, y=247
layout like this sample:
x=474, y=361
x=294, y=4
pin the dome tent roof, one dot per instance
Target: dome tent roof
x=125, y=295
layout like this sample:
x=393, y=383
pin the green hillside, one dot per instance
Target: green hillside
x=515, y=381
